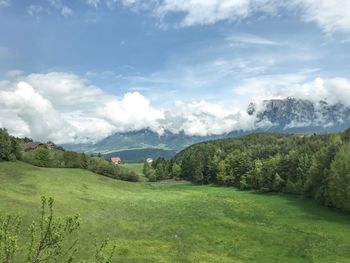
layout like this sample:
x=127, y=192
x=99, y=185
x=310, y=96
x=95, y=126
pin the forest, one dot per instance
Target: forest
x=314, y=166
x=203, y=199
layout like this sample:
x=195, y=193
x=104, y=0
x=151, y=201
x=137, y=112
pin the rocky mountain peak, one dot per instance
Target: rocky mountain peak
x=290, y=113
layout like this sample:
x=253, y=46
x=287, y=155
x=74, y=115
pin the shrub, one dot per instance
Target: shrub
x=132, y=177
x=41, y=157
x=152, y=177
x=9, y=230
x=48, y=238
x=9, y=148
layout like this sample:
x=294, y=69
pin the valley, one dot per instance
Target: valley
x=178, y=221
x=174, y=131
x=287, y=115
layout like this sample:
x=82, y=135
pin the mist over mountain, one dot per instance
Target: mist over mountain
x=143, y=139
x=292, y=115
x=275, y=115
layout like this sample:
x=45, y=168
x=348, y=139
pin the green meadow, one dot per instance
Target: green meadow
x=177, y=221
x=135, y=167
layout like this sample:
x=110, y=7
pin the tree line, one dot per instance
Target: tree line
x=315, y=166
x=11, y=149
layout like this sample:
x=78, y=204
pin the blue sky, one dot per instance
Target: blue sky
x=210, y=53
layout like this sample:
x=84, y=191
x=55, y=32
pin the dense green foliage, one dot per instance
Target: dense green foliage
x=9, y=147
x=316, y=166
x=49, y=235
x=176, y=221
x=9, y=230
x=56, y=158
x=339, y=180
x=51, y=239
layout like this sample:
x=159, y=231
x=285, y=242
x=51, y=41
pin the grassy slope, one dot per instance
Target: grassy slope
x=181, y=222
x=135, y=167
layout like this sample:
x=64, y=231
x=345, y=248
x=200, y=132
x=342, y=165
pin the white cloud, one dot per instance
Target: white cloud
x=93, y=3
x=135, y=5
x=210, y=12
x=204, y=118
x=331, y=15
x=72, y=91
x=269, y=86
x=56, y=3
x=5, y=3
x=251, y=39
x=34, y=10
x=132, y=112
x=35, y=112
x=332, y=90
x=66, y=11
x=14, y=73
x=66, y=108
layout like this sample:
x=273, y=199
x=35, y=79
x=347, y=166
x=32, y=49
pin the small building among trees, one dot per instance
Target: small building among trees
x=116, y=160
x=30, y=146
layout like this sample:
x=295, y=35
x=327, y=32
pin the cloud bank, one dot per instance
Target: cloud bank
x=331, y=16
x=68, y=109
x=331, y=90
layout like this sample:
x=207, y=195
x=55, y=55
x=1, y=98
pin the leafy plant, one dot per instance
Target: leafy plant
x=9, y=230
x=49, y=235
x=49, y=238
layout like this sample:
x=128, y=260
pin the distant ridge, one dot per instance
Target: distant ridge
x=288, y=115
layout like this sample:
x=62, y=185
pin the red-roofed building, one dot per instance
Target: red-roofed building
x=116, y=160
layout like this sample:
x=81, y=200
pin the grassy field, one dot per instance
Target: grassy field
x=135, y=167
x=180, y=222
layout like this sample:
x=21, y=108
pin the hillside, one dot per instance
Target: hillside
x=313, y=166
x=180, y=222
x=141, y=139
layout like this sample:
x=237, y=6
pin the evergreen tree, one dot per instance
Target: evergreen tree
x=243, y=185
x=339, y=180
x=278, y=183
x=187, y=168
x=5, y=145
x=147, y=170
x=222, y=177
x=42, y=157
x=255, y=174
x=83, y=161
x=176, y=171
x=160, y=172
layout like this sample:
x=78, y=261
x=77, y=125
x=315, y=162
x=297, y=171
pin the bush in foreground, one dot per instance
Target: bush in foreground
x=50, y=239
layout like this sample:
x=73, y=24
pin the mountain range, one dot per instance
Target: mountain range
x=288, y=115
x=297, y=115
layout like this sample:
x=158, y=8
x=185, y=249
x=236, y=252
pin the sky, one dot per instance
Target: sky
x=78, y=71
